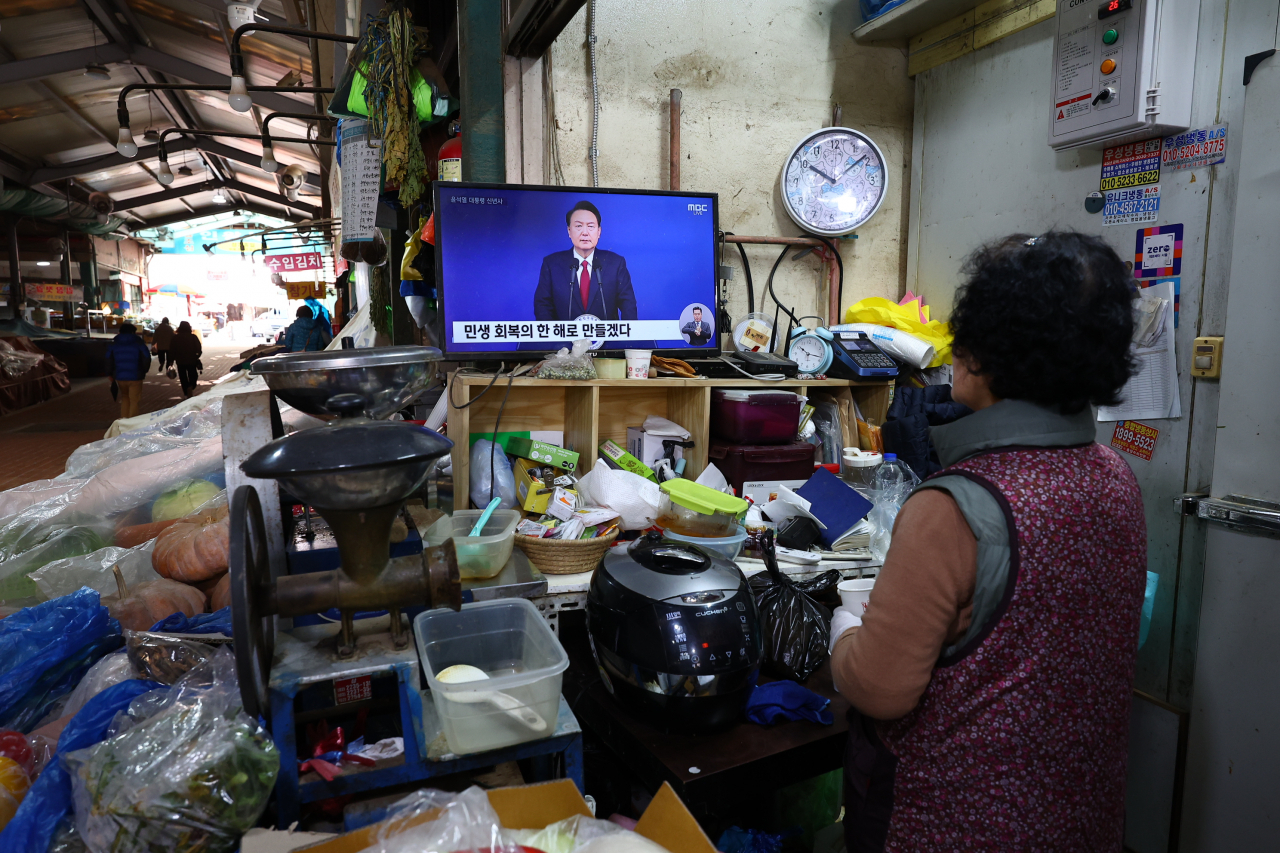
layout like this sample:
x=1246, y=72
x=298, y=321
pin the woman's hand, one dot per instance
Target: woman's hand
x=842, y=619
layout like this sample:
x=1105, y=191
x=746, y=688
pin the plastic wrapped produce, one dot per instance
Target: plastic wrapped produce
x=565, y=836
x=164, y=659
x=108, y=672
x=194, y=549
x=482, y=453
x=191, y=779
x=94, y=570
x=49, y=799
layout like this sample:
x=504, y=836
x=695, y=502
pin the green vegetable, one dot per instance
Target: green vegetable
x=183, y=500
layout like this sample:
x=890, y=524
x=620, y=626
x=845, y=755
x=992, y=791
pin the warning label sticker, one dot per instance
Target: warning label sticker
x=1135, y=438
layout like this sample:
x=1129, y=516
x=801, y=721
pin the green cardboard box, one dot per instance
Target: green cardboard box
x=615, y=457
x=543, y=453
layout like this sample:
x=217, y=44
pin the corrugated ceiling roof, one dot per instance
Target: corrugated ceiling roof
x=53, y=116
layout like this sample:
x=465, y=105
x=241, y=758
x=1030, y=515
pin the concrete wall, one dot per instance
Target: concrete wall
x=756, y=76
x=982, y=168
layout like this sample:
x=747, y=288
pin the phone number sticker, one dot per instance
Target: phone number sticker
x=1132, y=165
x=1135, y=438
x=1124, y=207
x=1195, y=149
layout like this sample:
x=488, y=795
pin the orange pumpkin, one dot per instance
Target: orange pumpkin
x=195, y=549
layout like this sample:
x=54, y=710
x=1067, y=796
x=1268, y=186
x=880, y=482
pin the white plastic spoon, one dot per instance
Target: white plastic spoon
x=463, y=673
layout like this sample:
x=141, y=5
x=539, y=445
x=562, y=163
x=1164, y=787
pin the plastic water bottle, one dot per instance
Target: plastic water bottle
x=895, y=475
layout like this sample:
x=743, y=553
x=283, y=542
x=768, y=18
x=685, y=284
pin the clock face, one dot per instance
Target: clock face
x=834, y=181
x=810, y=353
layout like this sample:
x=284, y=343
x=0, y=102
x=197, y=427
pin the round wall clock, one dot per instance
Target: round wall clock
x=834, y=181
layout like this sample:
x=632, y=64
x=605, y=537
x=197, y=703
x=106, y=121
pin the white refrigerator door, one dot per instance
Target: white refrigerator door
x=1233, y=757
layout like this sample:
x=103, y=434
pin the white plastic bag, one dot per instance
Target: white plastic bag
x=465, y=822
x=635, y=499
x=484, y=452
x=108, y=672
x=569, y=364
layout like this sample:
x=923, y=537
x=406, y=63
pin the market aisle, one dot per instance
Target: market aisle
x=35, y=442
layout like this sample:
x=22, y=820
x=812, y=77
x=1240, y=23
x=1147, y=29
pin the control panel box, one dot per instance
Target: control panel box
x=1122, y=70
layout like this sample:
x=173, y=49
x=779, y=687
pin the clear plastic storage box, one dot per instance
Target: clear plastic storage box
x=513, y=645
x=480, y=556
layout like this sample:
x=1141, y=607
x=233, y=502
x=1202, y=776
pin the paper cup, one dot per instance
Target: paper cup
x=638, y=363
x=854, y=594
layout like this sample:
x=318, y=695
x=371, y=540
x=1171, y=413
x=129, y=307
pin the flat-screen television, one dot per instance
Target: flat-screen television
x=524, y=268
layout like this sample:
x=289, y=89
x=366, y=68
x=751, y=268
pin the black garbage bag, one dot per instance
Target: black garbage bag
x=795, y=625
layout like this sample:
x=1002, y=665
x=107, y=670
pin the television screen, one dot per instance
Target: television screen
x=528, y=268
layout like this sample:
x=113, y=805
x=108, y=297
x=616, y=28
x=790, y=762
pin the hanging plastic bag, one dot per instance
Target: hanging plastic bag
x=882, y=312
x=569, y=363
x=795, y=626
x=192, y=778
x=489, y=463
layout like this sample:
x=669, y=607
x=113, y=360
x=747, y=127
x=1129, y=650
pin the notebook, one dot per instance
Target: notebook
x=839, y=506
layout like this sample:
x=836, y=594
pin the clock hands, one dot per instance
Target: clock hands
x=820, y=172
x=852, y=166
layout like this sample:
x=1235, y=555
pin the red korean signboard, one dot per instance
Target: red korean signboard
x=300, y=262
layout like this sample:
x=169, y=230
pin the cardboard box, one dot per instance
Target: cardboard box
x=648, y=447
x=666, y=821
x=540, y=451
x=615, y=457
x=528, y=485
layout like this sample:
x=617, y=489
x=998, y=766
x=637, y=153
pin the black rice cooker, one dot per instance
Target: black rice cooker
x=675, y=634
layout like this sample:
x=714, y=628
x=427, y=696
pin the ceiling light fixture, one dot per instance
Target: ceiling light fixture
x=269, y=163
x=185, y=171
x=125, y=144
x=42, y=263
x=95, y=71
x=151, y=134
x=165, y=175
x=219, y=197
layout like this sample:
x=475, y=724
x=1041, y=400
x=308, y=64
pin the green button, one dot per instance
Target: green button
x=1110, y=37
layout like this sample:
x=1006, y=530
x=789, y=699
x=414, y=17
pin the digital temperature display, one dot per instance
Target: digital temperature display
x=1113, y=7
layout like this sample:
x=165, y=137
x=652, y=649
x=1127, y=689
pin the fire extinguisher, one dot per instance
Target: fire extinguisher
x=450, y=159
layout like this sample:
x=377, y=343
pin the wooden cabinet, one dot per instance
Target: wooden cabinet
x=590, y=412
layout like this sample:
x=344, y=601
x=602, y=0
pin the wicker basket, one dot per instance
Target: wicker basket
x=558, y=557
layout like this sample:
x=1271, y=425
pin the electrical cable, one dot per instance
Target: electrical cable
x=746, y=271
x=493, y=444
x=595, y=94
x=839, y=281
x=501, y=365
x=769, y=290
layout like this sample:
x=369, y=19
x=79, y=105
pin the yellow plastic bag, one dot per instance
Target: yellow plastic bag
x=905, y=318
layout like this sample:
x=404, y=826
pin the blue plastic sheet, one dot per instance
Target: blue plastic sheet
x=49, y=799
x=219, y=621
x=35, y=639
x=57, y=681
x=876, y=8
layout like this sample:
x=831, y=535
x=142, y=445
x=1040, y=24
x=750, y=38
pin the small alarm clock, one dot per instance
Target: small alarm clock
x=811, y=350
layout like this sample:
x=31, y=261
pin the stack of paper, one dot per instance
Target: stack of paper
x=1152, y=392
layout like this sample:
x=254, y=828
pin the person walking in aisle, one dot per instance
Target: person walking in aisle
x=308, y=333
x=161, y=339
x=185, y=352
x=128, y=361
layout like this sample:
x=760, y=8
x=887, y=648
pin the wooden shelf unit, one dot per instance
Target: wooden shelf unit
x=591, y=411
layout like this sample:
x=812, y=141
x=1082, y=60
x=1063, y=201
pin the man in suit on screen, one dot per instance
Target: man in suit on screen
x=584, y=280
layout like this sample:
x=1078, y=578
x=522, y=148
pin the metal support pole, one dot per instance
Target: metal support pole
x=675, y=139
x=16, y=294
x=68, y=308
x=484, y=150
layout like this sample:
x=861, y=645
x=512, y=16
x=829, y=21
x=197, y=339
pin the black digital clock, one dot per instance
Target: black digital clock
x=1113, y=7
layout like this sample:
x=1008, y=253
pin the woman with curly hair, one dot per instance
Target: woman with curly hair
x=991, y=672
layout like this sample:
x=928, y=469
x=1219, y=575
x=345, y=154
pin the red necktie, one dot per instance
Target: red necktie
x=585, y=284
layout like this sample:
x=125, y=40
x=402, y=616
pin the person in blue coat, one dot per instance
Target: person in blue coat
x=128, y=360
x=584, y=280
x=308, y=333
